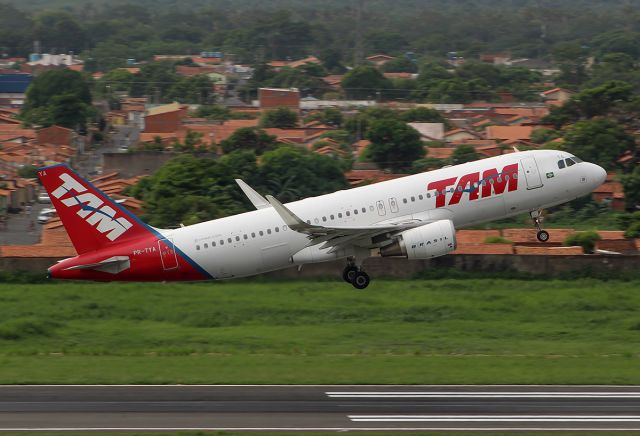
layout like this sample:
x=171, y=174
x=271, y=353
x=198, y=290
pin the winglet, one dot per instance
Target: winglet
x=289, y=218
x=256, y=199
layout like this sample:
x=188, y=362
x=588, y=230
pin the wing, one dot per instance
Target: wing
x=256, y=199
x=335, y=237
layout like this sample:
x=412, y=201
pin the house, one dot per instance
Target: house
x=270, y=98
x=495, y=58
x=13, y=89
x=506, y=133
x=44, y=62
x=429, y=131
x=379, y=59
x=559, y=95
x=443, y=153
x=365, y=177
x=461, y=135
x=610, y=192
x=165, y=118
x=55, y=135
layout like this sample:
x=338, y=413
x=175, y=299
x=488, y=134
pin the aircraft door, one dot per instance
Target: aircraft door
x=393, y=205
x=167, y=254
x=531, y=172
x=381, y=209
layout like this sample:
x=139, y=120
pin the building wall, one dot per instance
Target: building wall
x=162, y=123
x=273, y=98
x=544, y=266
x=55, y=135
x=134, y=164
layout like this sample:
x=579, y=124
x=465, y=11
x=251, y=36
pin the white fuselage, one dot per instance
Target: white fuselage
x=259, y=241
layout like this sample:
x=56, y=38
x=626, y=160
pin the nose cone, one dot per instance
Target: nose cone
x=598, y=175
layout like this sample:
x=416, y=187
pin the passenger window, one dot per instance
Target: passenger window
x=221, y=242
x=269, y=231
x=364, y=210
x=569, y=162
x=371, y=208
x=420, y=197
x=324, y=219
x=261, y=233
x=206, y=245
x=229, y=240
x=245, y=236
x=413, y=199
x=316, y=220
x=277, y=229
x=340, y=215
x=197, y=247
x=428, y=195
x=213, y=244
x=355, y=211
x=348, y=213
x=561, y=164
x=404, y=200
x=308, y=221
x=332, y=217
x=253, y=234
x=237, y=238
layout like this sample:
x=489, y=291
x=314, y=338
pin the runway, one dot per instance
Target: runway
x=329, y=408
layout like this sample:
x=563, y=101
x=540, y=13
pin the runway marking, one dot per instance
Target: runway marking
x=494, y=418
x=493, y=394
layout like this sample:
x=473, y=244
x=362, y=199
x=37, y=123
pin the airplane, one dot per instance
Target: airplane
x=413, y=217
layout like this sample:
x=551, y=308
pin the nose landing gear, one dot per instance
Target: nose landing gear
x=536, y=216
x=354, y=275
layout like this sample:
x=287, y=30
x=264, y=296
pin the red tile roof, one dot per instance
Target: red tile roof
x=509, y=132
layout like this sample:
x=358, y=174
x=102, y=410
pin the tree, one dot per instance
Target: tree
x=400, y=65
x=293, y=173
x=631, y=185
x=330, y=116
x=600, y=141
x=281, y=117
x=464, y=153
x=249, y=138
x=365, y=82
x=61, y=31
x=422, y=115
x=394, y=144
x=58, y=97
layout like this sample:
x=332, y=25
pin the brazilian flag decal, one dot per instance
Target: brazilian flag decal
x=549, y=175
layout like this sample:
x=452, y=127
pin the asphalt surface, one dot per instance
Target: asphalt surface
x=332, y=408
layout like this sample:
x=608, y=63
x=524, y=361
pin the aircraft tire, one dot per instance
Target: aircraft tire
x=349, y=273
x=543, y=236
x=361, y=280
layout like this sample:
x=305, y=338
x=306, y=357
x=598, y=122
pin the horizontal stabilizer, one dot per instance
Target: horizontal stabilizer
x=256, y=199
x=112, y=265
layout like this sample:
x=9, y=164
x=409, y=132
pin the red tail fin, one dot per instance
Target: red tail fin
x=90, y=217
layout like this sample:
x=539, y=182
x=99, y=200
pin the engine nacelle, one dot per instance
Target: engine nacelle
x=424, y=242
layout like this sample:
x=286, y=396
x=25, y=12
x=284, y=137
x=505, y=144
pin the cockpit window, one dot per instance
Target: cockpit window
x=561, y=164
x=570, y=161
x=577, y=159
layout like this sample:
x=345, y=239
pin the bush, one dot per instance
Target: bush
x=586, y=240
x=633, y=231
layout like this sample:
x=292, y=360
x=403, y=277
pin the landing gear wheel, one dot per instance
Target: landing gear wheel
x=349, y=273
x=360, y=280
x=543, y=236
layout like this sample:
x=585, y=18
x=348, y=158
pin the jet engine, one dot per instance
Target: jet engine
x=424, y=242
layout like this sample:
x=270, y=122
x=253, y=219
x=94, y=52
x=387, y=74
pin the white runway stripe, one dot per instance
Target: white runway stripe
x=483, y=394
x=494, y=418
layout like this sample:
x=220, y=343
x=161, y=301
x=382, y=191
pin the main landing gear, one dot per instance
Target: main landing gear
x=354, y=275
x=542, y=235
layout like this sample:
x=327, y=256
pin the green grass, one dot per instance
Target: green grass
x=421, y=331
